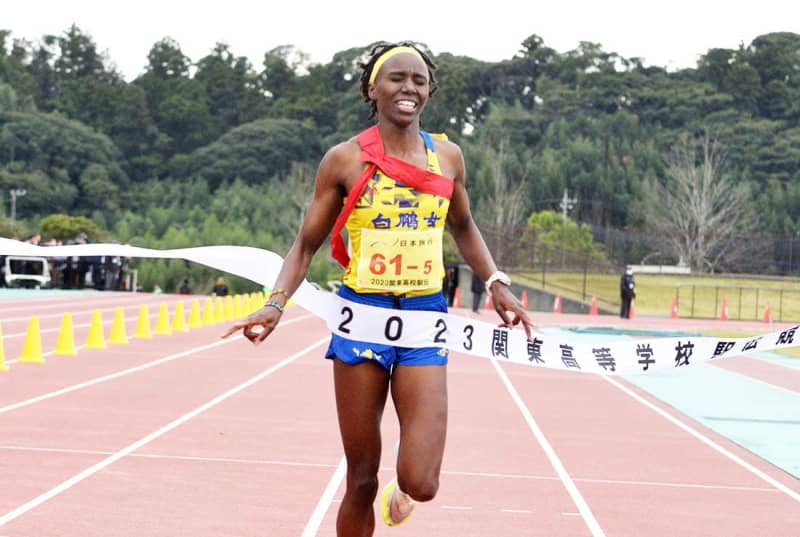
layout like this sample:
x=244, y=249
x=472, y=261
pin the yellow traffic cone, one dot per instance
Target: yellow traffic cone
x=246, y=305
x=194, y=315
x=219, y=310
x=238, y=312
x=118, y=334
x=143, y=324
x=228, y=311
x=3, y=366
x=179, y=318
x=32, y=349
x=65, y=346
x=208, y=312
x=96, y=340
x=162, y=323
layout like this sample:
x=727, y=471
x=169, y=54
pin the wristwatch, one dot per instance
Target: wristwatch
x=498, y=276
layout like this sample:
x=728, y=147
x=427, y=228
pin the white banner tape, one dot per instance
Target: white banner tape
x=408, y=328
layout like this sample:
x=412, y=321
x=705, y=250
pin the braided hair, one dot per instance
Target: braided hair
x=376, y=52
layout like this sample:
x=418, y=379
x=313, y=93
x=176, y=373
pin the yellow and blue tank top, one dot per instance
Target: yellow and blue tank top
x=395, y=235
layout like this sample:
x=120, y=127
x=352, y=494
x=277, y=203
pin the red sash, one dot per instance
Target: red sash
x=401, y=171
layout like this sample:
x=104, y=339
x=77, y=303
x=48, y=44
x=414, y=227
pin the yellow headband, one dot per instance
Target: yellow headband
x=388, y=54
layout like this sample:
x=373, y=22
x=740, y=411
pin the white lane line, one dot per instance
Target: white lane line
x=523, y=511
x=325, y=501
x=756, y=380
x=77, y=478
x=611, y=481
x=457, y=507
x=44, y=355
x=577, y=498
x=776, y=362
x=704, y=439
x=87, y=309
x=105, y=322
x=491, y=475
x=130, y=370
x=676, y=485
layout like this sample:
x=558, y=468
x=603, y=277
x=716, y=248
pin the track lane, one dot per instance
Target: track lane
x=614, y=446
x=107, y=415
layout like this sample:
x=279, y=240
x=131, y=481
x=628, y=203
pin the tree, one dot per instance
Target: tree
x=555, y=232
x=255, y=152
x=698, y=210
x=298, y=185
x=64, y=227
x=502, y=181
x=178, y=103
x=232, y=89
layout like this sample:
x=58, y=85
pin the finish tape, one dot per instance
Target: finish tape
x=407, y=328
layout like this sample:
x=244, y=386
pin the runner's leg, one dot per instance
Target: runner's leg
x=360, y=399
x=420, y=397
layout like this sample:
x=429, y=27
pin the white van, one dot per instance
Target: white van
x=25, y=271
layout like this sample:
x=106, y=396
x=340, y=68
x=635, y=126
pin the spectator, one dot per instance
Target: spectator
x=627, y=292
x=477, y=287
x=185, y=288
x=220, y=289
x=451, y=284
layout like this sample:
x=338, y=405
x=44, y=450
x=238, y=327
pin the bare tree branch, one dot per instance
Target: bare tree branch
x=699, y=210
x=503, y=210
x=298, y=185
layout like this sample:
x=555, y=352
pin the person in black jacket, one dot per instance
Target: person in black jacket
x=477, y=287
x=220, y=289
x=627, y=292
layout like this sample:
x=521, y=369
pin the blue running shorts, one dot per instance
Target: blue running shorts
x=354, y=352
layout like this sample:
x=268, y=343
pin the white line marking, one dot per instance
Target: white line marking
x=313, y=524
x=577, y=498
x=187, y=458
x=77, y=478
x=756, y=380
x=457, y=507
x=128, y=371
x=676, y=485
x=45, y=355
x=776, y=362
x=704, y=439
x=611, y=481
x=523, y=511
x=270, y=462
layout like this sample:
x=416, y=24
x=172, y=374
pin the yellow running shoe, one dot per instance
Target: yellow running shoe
x=393, y=514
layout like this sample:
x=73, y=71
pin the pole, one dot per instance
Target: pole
x=15, y=192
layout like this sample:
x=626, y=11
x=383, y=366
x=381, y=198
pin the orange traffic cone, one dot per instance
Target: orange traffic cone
x=593, y=307
x=489, y=303
x=457, y=298
x=524, y=299
x=767, y=313
x=630, y=312
x=673, y=314
x=723, y=315
x=557, y=304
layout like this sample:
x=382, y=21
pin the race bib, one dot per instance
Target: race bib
x=400, y=260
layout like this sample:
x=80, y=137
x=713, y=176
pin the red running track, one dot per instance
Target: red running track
x=188, y=434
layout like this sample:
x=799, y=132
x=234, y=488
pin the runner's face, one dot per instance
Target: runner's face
x=401, y=88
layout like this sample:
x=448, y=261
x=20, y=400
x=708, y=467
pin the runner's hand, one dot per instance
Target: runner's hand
x=266, y=318
x=504, y=302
